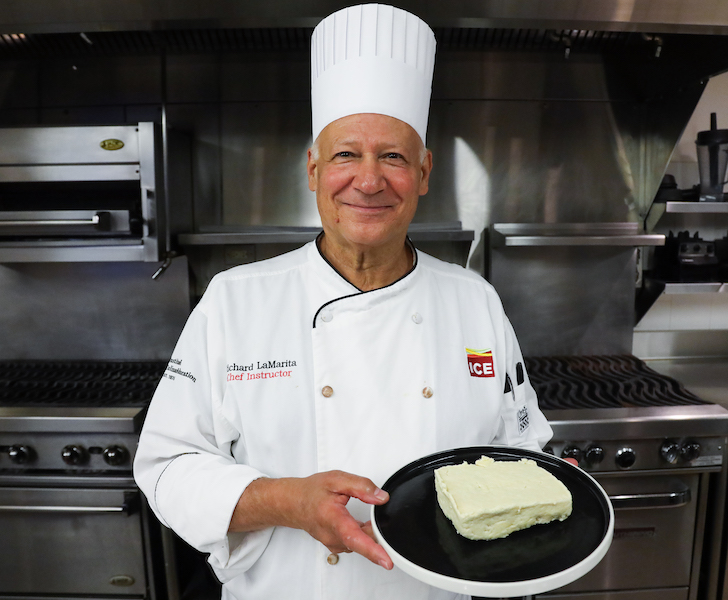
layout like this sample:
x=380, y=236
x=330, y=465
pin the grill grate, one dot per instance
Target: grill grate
x=561, y=382
x=92, y=383
x=567, y=382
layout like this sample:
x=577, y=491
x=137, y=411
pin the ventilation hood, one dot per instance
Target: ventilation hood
x=673, y=16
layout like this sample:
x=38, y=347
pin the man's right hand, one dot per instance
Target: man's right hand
x=317, y=505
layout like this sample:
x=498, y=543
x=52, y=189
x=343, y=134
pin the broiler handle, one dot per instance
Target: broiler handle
x=101, y=220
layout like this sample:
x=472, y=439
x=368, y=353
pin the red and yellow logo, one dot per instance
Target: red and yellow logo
x=480, y=363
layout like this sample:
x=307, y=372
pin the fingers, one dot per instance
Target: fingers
x=357, y=487
x=360, y=539
x=317, y=505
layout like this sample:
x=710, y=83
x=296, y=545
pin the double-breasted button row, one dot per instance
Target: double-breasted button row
x=327, y=391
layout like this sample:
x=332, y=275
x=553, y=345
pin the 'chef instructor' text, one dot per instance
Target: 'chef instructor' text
x=261, y=370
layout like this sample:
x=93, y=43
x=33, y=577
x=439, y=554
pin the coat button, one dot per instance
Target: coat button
x=326, y=315
x=417, y=318
x=332, y=559
x=327, y=391
x=427, y=392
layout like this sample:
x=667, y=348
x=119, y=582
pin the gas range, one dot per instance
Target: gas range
x=73, y=418
x=615, y=414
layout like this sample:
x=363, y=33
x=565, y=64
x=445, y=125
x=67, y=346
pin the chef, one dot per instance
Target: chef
x=300, y=383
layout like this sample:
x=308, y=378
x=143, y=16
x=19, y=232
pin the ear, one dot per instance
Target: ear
x=311, y=170
x=425, y=170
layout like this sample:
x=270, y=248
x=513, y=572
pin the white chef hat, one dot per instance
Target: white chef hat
x=372, y=58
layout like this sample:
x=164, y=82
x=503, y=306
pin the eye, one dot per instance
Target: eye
x=394, y=156
x=343, y=154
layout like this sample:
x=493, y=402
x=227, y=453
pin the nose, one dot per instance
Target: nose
x=369, y=177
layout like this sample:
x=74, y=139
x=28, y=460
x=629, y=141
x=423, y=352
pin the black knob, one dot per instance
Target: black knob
x=625, y=458
x=548, y=450
x=690, y=451
x=116, y=455
x=20, y=454
x=670, y=451
x=594, y=455
x=572, y=452
x=74, y=455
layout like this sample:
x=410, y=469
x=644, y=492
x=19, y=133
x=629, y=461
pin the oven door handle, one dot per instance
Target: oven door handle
x=128, y=506
x=652, y=500
x=60, y=509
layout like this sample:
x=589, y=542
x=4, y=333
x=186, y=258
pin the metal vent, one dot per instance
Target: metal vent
x=120, y=43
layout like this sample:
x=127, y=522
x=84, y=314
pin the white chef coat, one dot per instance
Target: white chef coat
x=284, y=368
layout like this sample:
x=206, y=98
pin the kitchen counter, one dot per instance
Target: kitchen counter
x=707, y=378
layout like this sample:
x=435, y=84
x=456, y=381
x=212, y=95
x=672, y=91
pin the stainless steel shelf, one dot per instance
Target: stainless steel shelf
x=571, y=234
x=65, y=251
x=697, y=207
x=420, y=232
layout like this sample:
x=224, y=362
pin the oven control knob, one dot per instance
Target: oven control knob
x=690, y=451
x=670, y=451
x=572, y=452
x=74, y=455
x=594, y=455
x=625, y=458
x=20, y=454
x=116, y=455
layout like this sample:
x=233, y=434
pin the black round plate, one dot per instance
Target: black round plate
x=415, y=527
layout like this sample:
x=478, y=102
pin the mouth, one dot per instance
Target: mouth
x=367, y=208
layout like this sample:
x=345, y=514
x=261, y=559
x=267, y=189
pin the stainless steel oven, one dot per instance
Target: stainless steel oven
x=71, y=540
x=73, y=522
x=660, y=454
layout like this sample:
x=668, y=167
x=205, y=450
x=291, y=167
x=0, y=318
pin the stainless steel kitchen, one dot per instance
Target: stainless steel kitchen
x=580, y=154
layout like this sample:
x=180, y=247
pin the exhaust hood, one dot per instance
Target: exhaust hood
x=51, y=16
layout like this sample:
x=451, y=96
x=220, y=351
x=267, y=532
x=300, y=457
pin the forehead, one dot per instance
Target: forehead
x=370, y=129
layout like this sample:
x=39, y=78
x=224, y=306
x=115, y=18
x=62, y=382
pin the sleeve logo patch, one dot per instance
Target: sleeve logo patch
x=480, y=363
x=522, y=419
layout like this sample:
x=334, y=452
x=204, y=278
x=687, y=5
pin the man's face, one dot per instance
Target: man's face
x=368, y=177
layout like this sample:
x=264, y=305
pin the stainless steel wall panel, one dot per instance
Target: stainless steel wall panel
x=86, y=115
x=92, y=311
x=266, y=76
x=14, y=117
x=193, y=78
x=18, y=84
x=531, y=161
x=201, y=124
x=264, y=164
x=101, y=81
x=464, y=74
x=567, y=300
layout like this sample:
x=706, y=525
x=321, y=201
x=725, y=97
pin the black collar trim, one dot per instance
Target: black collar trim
x=359, y=292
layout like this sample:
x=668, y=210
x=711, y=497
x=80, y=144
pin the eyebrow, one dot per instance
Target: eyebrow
x=386, y=145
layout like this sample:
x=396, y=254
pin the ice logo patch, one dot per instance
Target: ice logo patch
x=480, y=363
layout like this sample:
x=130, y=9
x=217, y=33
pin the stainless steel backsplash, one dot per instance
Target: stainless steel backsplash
x=518, y=136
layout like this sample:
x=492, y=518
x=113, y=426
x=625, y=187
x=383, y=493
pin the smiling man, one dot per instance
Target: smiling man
x=368, y=172
x=389, y=354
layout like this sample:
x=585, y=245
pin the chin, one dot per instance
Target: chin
x=374, y=235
